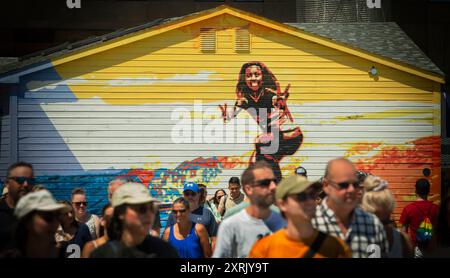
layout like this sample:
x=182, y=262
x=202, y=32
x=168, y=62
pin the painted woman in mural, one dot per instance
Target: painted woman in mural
x=258, y=92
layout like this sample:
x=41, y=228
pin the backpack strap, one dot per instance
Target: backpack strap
x=315, y=246
x=421, y=212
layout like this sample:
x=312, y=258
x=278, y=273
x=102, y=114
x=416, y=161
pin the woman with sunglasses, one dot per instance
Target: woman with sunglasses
x=38, y=215
x=213, y=204
x=79, y=203
x=107, y=213
x=71, y=235
x=190, y=239
x=128, y=232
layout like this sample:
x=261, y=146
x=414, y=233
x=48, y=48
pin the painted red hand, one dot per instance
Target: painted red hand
x=286, y=91
x=223, y=108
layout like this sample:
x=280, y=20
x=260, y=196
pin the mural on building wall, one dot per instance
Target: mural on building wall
x=258, y=92
x=111, y=115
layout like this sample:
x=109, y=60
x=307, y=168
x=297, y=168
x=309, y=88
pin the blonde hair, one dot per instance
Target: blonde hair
x=377, y=195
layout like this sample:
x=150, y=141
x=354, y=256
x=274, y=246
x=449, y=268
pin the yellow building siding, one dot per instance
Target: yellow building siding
x=117, y=111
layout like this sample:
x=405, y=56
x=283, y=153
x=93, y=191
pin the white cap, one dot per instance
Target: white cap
x=131, y=193
x=40, y=201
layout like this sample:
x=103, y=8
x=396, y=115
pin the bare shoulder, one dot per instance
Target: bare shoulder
x=200, y=227
x=165, y=234
x=89, y=245
x=87, y=249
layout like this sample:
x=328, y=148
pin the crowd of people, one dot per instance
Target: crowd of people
x=346, y=214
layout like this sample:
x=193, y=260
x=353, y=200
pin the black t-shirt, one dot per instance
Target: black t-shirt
x=7, y=223
x=81, y=237
x=151, y=247
x=201, y=215
x=263, y=103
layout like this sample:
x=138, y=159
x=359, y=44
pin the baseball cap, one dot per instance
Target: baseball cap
x=294, y=184
x=191, y=186
x=301, y=171
x=131, y=193
x=40, y=201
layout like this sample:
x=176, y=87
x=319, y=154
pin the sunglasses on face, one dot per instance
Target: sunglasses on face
x=143, y=208
x=346, y=184
x=190, y=193
x=80, y=203
x=175, y=211
x=265, y=182
x=22, y=180
x=49, y=216
x=305, y=196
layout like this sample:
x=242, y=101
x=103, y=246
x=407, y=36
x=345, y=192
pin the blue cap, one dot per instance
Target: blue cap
x=191, y=186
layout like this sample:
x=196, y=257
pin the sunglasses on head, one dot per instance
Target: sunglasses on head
x=49, y=216
x=265, y=182
x=80, y=203
x=346, y=184
x=22, y=180
x=175, y=211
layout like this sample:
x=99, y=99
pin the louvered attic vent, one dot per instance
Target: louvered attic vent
x=208, y=39
x=242, y=40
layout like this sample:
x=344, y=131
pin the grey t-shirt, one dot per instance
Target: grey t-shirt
x=239, y=232
x=232, y=211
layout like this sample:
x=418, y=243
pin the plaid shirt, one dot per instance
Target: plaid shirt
x=364, y=229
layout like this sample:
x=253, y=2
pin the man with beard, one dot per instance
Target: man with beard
x=238, y=233
x=19, y=181
x=340, y=216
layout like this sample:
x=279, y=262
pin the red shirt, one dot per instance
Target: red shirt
x=414, y=213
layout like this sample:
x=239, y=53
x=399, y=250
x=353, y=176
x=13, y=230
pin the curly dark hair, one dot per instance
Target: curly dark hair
x=21, y=232
x=115, y=227
x=268, y=79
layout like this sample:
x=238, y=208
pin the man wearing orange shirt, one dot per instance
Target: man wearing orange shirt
x=296, y=199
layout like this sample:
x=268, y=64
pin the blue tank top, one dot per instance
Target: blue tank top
x=189, y=247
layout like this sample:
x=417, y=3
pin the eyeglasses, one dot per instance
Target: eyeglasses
x=190, y=193
x=22, y=180
x=265, y=182
x=305, y=196
x=143, y=208
x=80, y=203
x=49, y=216
x=346, y=184
x=175, y=211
